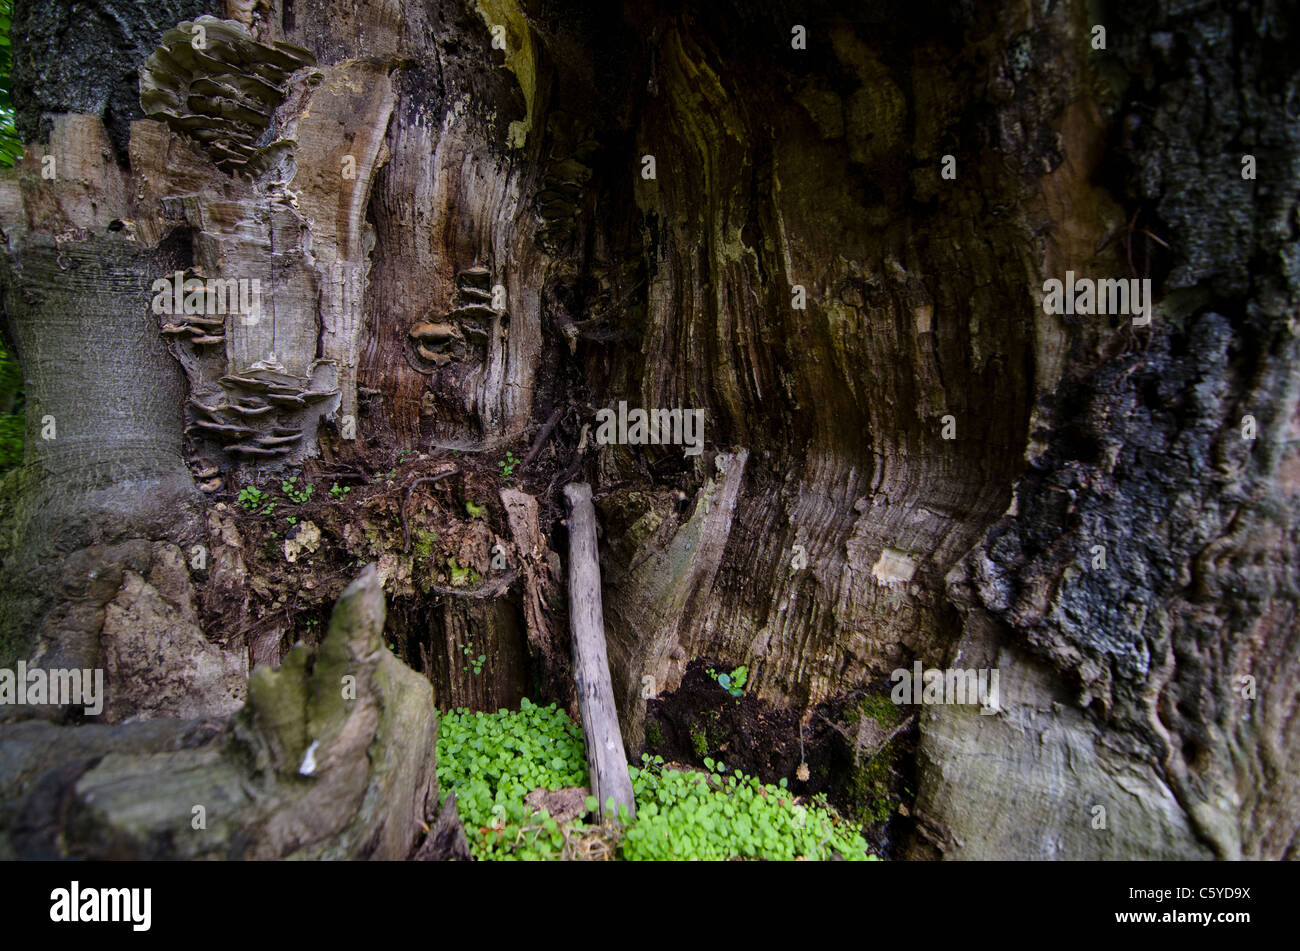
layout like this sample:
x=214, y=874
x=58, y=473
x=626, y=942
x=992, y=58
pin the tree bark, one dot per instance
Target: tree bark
x=906, y=459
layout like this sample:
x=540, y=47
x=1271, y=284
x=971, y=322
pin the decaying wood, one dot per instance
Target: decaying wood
x=867, y=734
x=540, y=568
x=1121, y=683
x=646, y=638
x=446, y=840
x=406, y=501
x=292, y=774
x=293, y=220
x=605, y=756
x=484, y=592
x=521, y=517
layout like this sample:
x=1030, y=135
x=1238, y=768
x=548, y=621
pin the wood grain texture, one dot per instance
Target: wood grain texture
x=606, y=758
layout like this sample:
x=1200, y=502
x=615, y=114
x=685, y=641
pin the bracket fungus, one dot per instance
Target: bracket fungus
x=436, y=342
x=212, y=82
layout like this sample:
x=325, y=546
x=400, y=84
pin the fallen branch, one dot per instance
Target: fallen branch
x=492, y=589
x=606, y=758
x=544, y=435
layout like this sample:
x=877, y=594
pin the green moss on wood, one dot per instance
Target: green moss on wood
x=870, y=796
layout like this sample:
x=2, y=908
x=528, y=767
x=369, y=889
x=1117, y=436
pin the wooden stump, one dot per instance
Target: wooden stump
x=606, y=758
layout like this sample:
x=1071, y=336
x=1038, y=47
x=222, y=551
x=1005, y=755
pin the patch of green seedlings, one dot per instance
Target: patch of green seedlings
x=338, y=491
x=472, y=663
x=493, y=760
x=734, y=682
x=508, y=466
x=252, y=499
x=474, y=510
x=293, y=492
x=713, y=816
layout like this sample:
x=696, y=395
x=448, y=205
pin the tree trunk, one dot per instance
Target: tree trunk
x=835, y=250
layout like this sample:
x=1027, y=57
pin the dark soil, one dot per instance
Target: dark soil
x=702, y=719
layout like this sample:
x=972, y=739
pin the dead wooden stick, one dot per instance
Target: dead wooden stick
x=492, y=589
x=567, y=474
x=542, y=436
x=606, y=758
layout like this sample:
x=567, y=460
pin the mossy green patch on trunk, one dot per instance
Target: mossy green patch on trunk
x=871, y=796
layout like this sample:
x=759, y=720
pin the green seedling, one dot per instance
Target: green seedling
x=295, y=494
x=253, y=499
x=734, y=682
x=494, y=760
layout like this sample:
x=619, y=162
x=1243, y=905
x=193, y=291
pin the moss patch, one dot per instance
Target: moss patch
x=869, y=791
x=519, y=58
x=699, y=742
x=422, y=543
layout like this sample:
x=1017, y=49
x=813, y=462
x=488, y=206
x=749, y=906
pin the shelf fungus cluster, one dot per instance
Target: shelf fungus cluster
x=207, y=474
x=195, y=329
x=211, y=81
x=464, y=333
x=573, y=149
x=260, y=416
